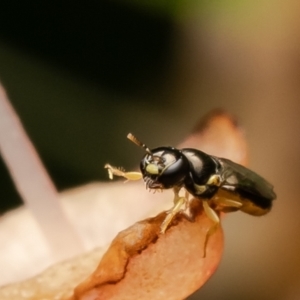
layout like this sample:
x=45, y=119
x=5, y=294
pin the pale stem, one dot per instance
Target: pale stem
x=34, y=185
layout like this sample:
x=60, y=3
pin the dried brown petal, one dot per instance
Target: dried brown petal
x=142, y=264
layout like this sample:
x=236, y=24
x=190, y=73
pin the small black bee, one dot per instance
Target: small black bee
x=219, y=183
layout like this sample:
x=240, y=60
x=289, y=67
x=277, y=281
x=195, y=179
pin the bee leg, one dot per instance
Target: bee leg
x=229, y=203
x=178, y=203
x=189, y=215
x=172, y=213
x=211, y=214
x=119, y=172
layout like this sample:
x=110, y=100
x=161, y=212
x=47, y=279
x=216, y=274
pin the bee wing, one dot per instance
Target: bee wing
x=245, y=182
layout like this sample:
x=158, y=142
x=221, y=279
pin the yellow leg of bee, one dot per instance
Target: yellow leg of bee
x=229, y=203
x=211, y=214
x=119, y=172
x=178, y=203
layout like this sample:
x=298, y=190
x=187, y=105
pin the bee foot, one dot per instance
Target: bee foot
x=172, y=213
x=121, y=173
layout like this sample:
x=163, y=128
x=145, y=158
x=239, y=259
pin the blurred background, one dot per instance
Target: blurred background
x=82, y=75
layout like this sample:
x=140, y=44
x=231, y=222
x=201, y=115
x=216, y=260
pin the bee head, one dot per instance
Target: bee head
x=163, y=167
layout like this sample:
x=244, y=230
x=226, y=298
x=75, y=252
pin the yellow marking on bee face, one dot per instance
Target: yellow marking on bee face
x=152, y=169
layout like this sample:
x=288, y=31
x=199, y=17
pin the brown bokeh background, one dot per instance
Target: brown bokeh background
x=83, y=76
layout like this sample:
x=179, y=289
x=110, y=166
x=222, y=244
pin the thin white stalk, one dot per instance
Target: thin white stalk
x=34, y=185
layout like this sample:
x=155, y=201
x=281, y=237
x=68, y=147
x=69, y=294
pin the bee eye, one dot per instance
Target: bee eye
x=152, y=169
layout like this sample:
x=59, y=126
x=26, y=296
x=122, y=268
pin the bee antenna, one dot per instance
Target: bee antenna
x=132, y=138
